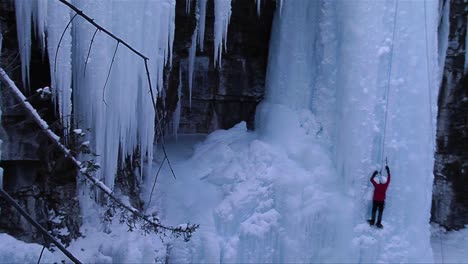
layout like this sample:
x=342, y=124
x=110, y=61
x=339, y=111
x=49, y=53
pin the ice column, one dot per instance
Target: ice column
x=60, y=56
x=23, y=9
x=367, y=71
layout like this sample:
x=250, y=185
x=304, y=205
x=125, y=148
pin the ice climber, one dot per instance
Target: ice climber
x=378, y=203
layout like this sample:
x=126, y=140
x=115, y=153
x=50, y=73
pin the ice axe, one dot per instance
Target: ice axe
x=386, y=164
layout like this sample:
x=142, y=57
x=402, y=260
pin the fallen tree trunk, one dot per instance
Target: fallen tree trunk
x=41, y=229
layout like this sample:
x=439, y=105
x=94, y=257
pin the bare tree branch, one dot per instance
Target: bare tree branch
x=89, y=51
x=108, y=73
x=90, y=20
x=58, y=45
x=41, y=229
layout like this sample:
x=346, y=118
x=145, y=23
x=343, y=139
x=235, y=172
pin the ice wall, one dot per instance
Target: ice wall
x=368, y=73
x=99, y=90
x=110, y=90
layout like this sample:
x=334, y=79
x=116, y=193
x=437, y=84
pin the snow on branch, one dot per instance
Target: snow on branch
x=186, y=231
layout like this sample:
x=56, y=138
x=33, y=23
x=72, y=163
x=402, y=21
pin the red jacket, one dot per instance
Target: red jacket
x=380, y=189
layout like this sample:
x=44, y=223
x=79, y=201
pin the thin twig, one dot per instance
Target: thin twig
x=149, y=84
x=158, y=119
x=154, y=183
x=168, y=161
x=89, y=51
x=90, y=20
x=40, y=256
x=11, y=63
x=108, y=73
x=58, y=45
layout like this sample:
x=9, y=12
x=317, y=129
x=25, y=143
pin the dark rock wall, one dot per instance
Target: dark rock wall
x=35, y=174
x=450, y=195
x=221, y=96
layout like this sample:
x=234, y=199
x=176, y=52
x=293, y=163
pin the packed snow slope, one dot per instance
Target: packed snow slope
x=349, y=83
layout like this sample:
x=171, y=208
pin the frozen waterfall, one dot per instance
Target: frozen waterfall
x=368, y=74
x=349, y=83
x=117, y=111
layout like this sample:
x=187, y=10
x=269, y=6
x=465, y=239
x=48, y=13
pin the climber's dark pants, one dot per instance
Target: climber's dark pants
x=377, y=205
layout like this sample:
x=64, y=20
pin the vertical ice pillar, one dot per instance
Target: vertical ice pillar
x=59, y=48
x=23, y=9
x=367, y=71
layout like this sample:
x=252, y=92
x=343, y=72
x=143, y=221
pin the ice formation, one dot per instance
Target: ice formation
x=84, y=57
x=221, y=23
x=368, y=106
x=348, y=84
x=120, y=114
x=198, y=37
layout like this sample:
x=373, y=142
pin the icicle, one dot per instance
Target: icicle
x=60, y=67
x=201, y=22
x=39, y=16
x=23, y=9
x=171, y=30
x=222, y=17
x=258, y=6
x=279, y=4
x=191, y=63
x=176, y=115
x=111, y=125
x=188, y=6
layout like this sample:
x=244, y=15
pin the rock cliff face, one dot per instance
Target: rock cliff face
x=35, y=175
x=221, y=96
x=450, y=195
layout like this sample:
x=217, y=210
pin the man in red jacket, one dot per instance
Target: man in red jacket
x=379, y=196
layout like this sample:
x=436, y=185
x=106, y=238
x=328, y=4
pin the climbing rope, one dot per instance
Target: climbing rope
x=428, y=78
x=387, y=92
